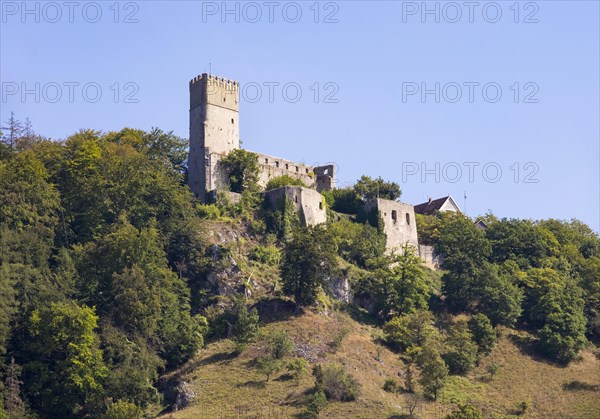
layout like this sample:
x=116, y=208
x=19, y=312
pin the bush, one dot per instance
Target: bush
x=316, y=402
x=345, y=201
x=336, y=384
x=297, y=368
x=246, y=325
x=122, y=410
x=391, y=385
x=210, y=211
x=338, y=339
x=285, y=180
x=279, y=344
x=465, y=411
x=462, y=352
x=269, y=255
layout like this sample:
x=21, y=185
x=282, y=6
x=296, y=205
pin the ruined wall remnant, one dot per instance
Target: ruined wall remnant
x=399, y=223
x=308, y=202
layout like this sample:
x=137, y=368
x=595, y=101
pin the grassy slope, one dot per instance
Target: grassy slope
x=229, y=387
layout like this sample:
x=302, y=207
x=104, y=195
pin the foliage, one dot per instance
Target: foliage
x=410, y=331
x=369, y=188
x=122, y=410
x=308, y=261
x=465, y=411
x=344, y=200
x=298, y=367
x=483, y=333
x=279, y=344
x=433, y=372
x=63, y=368
x=269, y=255
x=461, y=352
x=242, y=169
x=357, y=243
x=338, y=339
x=492, y=369
x=403, y=285
x=337, y=384
x=268, y=365
x=316, y=402
x=391, y=385
x=246, y=327
x=284, y=180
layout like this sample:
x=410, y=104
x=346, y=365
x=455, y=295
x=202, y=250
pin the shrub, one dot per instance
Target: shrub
x=316, y=402
x=465, y=411
x=338, y=385
x=492, y=369
x=462, y=352
x=210, y=211
x=345, y=201
x=284, y=180
x=391, y=385
x=279, y=344
x=297, y=368
x=269, y=255
x=122, y=410
x=338, y=339
x=523, y=406
x=246, y=325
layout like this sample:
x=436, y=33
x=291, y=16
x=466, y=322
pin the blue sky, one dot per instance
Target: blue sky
x=532, y=72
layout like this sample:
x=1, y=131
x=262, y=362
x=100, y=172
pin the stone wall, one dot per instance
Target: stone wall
x=431, y=259
x=308, y=202
x=398, y=221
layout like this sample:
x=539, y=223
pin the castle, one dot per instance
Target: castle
x=214, y=132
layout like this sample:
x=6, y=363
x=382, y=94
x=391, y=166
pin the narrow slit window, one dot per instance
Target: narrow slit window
x=407, y=218
x=394, y=215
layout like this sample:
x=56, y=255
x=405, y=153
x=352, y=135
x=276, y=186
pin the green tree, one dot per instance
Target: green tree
x=64, y=369
x=500, y=298
x=404, y=286
x=368, y=188
x=434, y=372
x=246, y=327
x=483, y=333
x=410, y=331
x=268, y=365
x=242, y=169
x=308, y=261
x=122, y=410
x=279, y=344
x=298, y=367
x=461, y=352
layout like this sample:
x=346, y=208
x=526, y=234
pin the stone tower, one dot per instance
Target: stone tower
x=214, y=130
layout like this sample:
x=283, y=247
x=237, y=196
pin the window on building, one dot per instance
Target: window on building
x=320, y=205
x=296, y=199
x=232, y=120
x=407, y=218
x=394, y=215
x=266, y=161
x=297, y=169
x=287, y=166
x=307, y=171
x=276, y=164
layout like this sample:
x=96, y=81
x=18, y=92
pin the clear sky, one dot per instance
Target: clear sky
x=506, y=88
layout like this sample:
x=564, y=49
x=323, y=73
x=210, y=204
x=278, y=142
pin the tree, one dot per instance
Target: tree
x=433, y=372
x=492, y=369
x=246, y=327
x=13, y=403
x=410, y=331
x=14, y=128
x=483, y=333
x=465, y=251
x=298, y=367
x=462, y=351
x=404, y=288
x=279, y=344
x=268, y=365
x=500, y=298
x=308, y=261
x=64, y=367
x=368, y=188
x=242, y=169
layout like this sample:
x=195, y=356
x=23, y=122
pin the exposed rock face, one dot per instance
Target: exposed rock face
x=185, y=395
x=341, y=289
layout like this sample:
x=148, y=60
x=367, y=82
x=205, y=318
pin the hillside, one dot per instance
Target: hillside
x=227, y=385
